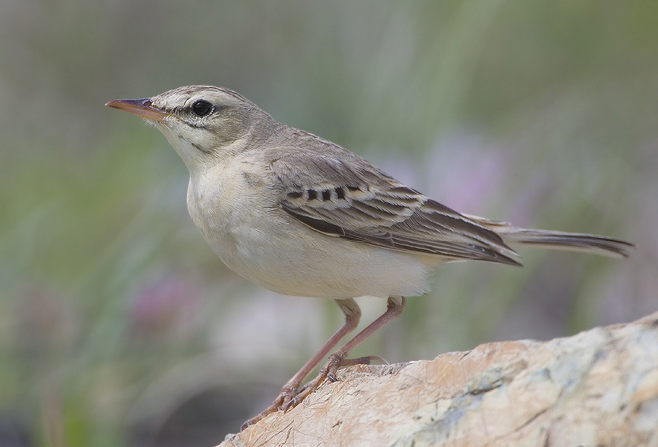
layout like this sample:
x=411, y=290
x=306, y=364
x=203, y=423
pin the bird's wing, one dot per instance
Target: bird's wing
x=340, y=194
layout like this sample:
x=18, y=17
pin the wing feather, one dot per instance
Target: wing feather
x=340, y=194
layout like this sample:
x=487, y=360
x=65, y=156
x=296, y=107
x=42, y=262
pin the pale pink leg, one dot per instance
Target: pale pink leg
x=339, y=358
x=290, y=389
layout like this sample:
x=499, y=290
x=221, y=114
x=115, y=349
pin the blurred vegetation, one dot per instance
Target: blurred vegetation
x=118, y=326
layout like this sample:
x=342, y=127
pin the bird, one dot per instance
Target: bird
x=302, y=216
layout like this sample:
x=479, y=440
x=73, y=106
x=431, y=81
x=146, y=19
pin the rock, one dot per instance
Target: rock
x=596, y=388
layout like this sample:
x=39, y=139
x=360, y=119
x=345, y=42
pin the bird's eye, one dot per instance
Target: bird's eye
x=202, y=108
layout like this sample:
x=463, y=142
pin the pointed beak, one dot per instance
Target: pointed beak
x=140, y=107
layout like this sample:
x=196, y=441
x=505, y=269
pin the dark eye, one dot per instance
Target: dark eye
x=202, y=108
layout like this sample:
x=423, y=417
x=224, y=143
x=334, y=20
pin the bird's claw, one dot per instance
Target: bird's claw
x=290, y=395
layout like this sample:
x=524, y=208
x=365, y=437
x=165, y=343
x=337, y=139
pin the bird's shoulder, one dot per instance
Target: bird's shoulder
x=303, y=160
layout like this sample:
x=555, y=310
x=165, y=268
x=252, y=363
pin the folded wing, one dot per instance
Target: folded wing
x=340, y=194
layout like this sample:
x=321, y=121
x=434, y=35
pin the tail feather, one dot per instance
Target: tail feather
x=585, y=243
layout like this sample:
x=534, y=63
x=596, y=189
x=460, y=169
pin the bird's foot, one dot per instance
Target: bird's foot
x=286, y=395
x=291, y=395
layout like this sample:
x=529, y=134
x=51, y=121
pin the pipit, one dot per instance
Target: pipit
x=303, y=216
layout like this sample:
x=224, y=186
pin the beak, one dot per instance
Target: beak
x=140, y=107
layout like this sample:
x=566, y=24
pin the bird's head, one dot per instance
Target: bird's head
x=202, y=123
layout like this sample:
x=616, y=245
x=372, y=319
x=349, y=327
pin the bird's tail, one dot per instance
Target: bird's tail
x=585, y=243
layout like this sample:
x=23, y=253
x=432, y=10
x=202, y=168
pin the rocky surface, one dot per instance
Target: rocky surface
x=596, y=388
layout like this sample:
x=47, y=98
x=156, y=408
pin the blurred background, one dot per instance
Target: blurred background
x=119, y=326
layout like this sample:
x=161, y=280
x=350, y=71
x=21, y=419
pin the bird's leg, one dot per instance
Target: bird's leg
x=290, y=389
x=339, y=358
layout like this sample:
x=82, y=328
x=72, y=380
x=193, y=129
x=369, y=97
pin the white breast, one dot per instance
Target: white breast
x=239, y=217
